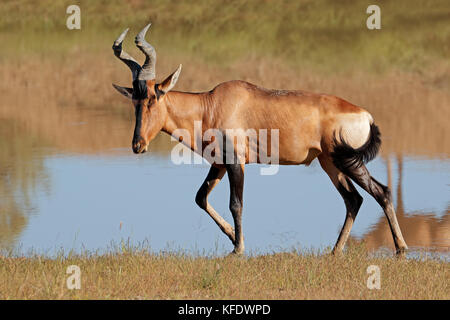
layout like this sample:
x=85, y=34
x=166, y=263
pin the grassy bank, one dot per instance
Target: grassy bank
x=138, y=274
x=56, y=93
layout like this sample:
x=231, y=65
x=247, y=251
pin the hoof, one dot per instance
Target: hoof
x=337, y=253
x=401, y=252
x=236, y=253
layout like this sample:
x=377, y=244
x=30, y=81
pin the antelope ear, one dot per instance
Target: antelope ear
x=170, y=81
x=127, y=92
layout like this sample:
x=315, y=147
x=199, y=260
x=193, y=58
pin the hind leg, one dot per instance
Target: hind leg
x=382, y=195
x=352, y=199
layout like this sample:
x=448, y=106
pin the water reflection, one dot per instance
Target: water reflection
x=96, y=199
x=21, y=172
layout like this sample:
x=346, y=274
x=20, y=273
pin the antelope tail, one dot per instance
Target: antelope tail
x=346, y=158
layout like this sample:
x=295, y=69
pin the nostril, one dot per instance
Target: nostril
x=135, y=147
x=138, y=144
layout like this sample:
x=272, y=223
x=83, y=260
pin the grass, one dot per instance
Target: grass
x=137, y=274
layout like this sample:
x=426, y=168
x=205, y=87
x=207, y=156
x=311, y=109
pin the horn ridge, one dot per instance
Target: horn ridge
x=148, y=68
x=125, y=57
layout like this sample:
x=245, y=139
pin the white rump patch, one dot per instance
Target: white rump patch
x=355, y=128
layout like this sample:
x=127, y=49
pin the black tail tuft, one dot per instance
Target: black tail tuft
x=346, y=158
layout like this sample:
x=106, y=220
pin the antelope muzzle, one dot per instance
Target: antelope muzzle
x=139, y=145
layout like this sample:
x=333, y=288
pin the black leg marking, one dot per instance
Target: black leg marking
x=362, y=177
x=201, y=197
x=353, y=201
x=212, y=179
x=352, y=198
x=382, y=195
x=236, y=177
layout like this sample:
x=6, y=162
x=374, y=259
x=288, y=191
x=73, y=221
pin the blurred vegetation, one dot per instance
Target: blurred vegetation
x=325, y=35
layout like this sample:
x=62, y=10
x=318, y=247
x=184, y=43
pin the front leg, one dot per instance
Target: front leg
x=215, y=174
x=236, y=177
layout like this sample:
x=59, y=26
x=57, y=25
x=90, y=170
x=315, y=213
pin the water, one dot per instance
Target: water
x=54, y=198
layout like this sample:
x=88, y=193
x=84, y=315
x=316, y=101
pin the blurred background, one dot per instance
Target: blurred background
x=68, y=178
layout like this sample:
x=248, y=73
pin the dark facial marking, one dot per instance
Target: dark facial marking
x=138, y=113
x=139, y=90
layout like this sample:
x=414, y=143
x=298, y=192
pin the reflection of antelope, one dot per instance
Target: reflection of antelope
x=307, y=125
x=420, y=229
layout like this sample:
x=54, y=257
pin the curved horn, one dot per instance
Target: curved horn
x=148, y=68
x=125, y=57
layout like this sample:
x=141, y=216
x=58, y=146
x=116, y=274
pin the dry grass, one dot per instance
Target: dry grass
x=137, y=274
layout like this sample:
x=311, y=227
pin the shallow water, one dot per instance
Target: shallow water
x=53, y=199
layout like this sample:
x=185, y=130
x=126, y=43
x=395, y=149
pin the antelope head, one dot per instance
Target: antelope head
x=147, y=95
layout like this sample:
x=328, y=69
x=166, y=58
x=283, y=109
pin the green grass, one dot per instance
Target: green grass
x=325, y=35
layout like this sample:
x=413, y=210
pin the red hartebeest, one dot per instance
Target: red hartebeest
x=341, y=135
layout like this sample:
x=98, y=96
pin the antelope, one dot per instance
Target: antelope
x=341, y=135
